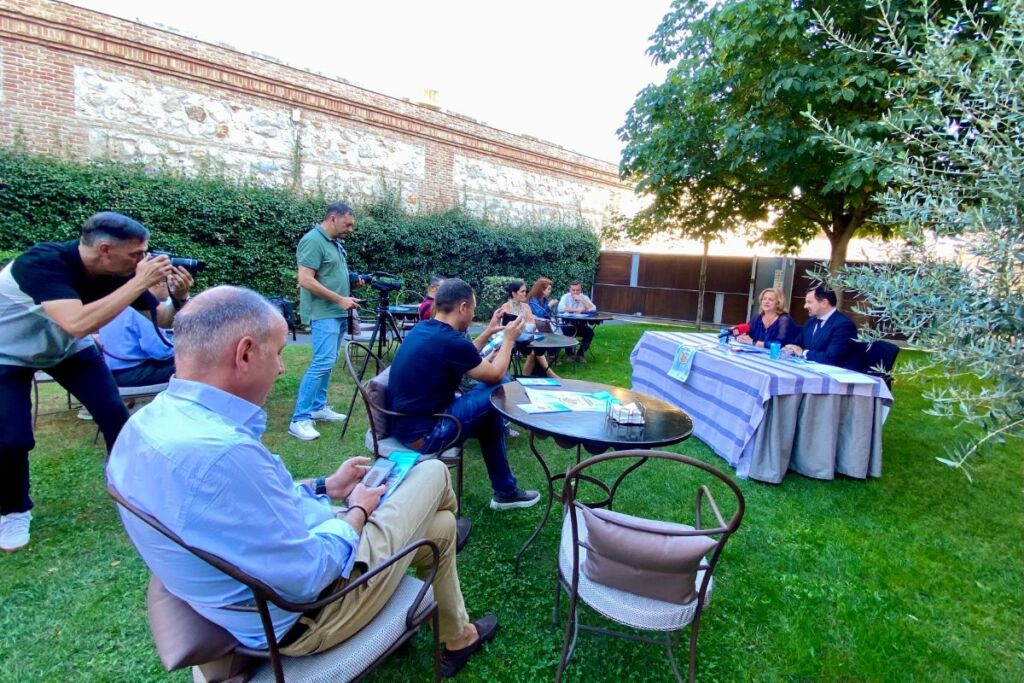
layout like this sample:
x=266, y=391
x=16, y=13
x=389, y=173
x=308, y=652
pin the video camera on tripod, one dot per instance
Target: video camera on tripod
x=381, y=281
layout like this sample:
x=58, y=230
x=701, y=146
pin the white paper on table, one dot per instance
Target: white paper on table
x=840, y=374
x=535, y=408
x=573, y=400
x=538, y=381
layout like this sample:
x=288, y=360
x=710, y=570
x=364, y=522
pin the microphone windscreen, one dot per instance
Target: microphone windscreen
x=742, y=328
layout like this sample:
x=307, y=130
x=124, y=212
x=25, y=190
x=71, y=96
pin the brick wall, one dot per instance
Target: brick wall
x=81, y=83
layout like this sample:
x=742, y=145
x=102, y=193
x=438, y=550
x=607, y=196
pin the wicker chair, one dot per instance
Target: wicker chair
x=629, y=609
x=411, y=606
x=369, y=363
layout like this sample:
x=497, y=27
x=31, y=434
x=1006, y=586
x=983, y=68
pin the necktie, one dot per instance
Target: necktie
x=817, y=326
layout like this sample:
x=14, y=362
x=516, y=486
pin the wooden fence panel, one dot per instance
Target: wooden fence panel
x=667, y=286
x=614, y=268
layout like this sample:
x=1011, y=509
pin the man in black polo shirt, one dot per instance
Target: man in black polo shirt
x=425, y=375
x=52, y=298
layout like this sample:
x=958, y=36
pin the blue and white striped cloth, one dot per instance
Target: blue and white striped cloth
x=727, y=392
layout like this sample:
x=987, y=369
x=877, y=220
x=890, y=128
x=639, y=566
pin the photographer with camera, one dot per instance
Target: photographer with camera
x=324, y=301
x=52, y=298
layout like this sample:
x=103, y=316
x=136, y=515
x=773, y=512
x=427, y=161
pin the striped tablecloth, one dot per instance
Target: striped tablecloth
x=731, y=396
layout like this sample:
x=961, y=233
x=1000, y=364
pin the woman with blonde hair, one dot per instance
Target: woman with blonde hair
x=771, y=323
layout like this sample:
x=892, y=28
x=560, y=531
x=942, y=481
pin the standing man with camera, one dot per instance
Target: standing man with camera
x=52, y=298
x=324, y=301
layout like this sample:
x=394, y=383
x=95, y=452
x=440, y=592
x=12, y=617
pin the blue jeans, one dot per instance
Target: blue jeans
x=326, y=334
x=149, y=371
x=480, y=421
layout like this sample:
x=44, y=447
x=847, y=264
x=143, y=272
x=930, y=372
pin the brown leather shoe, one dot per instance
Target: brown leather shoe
x=452, y=661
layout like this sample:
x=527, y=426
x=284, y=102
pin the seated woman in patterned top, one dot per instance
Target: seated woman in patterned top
x=772, y=323
x=517, y=306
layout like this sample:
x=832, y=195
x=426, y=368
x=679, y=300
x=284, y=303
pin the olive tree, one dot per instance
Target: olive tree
x=954, y=164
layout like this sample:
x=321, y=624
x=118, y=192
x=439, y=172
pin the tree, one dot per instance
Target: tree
x=723, y=141
x=957, y=179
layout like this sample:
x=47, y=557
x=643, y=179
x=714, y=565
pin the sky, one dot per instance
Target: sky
x=564, y=71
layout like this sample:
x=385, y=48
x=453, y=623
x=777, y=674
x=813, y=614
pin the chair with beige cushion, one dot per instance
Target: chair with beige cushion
x=648, y=575
x=185, y=638
x=374, y=392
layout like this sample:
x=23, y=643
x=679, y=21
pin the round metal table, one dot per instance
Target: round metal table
x=549, y=341
x=664, y=424
x=405, y=311
x=591, y=320
x=594, y=318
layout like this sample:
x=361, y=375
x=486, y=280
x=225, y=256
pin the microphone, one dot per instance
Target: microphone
x=734, y=331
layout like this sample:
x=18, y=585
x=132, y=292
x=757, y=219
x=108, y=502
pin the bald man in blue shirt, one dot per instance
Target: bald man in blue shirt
x=193, y=459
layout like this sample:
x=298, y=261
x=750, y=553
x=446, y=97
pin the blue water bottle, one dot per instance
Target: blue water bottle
x=725, y=335
x=775, y=350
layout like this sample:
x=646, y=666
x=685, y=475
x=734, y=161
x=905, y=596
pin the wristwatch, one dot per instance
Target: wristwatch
x=179, y=303
x=320, y=486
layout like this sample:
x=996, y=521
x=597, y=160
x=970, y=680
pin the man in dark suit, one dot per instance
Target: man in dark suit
x=829, y=336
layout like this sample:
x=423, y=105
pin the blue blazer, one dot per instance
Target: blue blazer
x=835, y=343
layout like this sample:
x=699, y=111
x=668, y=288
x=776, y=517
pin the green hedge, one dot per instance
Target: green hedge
x=247, y=233
x=492, y=294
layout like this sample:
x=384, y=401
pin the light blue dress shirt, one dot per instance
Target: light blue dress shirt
x=193, y=459
x=567, y=302
x=131, y=336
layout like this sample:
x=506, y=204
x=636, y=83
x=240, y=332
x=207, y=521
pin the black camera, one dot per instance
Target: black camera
x=192, y=265
x=381, y=281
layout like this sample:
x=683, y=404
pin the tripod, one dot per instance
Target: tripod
x=386, y=326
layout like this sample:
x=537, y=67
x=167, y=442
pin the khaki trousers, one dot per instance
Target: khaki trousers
x=422, y=507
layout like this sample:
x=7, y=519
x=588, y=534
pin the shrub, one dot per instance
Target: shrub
x=247, y=233
x=492, y=294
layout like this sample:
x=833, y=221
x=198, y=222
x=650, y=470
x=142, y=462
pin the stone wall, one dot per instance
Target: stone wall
x=84, y=84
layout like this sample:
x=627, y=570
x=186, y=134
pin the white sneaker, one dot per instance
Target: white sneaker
x=304, y=430
x=84, y=414
x=328, y=415
x=14, y=530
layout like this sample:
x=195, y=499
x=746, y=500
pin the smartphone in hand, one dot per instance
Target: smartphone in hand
x=378, y=472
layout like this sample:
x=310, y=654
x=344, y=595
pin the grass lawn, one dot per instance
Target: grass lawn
x=914, y=576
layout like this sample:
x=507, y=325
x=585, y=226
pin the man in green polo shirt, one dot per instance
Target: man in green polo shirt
x=324, y=300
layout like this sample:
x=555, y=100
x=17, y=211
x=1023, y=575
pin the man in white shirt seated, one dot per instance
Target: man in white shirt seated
x=576, y=302
x=194, y=459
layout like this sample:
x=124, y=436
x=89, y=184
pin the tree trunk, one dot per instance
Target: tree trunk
x=843, y=228
x=701, y=284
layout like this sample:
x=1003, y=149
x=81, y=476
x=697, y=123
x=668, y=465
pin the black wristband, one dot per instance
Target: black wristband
x=366, y=515
x=178, y=304
x=320, y=486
